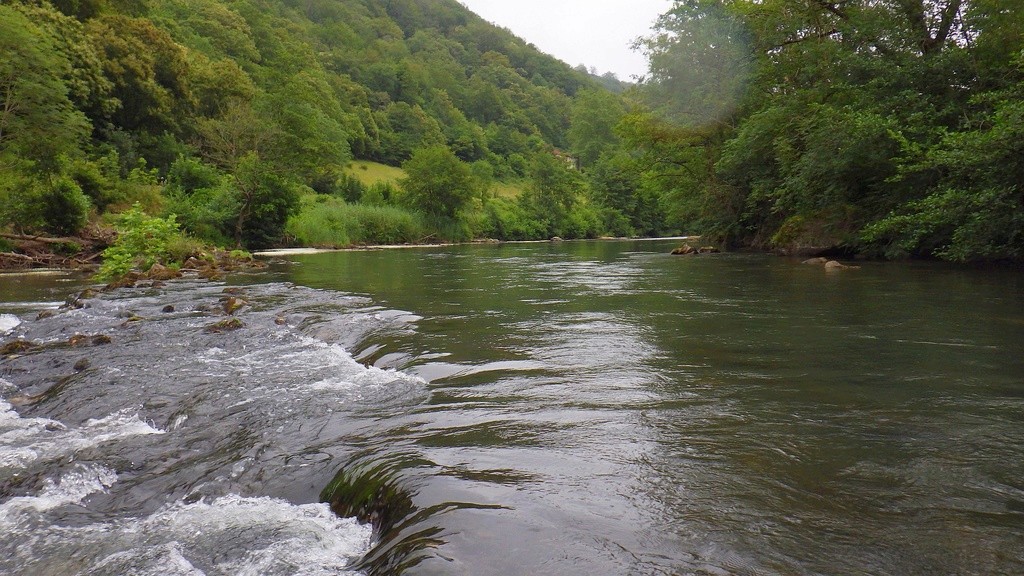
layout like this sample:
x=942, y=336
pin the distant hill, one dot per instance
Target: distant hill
x=370, y=79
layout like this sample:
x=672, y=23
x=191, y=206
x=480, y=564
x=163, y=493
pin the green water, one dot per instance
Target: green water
x=638, y=413
x=591, y=408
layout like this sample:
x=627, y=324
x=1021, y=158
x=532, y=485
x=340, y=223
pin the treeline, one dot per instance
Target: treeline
x=239, y=116
x=888, y=128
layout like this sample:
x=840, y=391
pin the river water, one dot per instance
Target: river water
x=592, y=408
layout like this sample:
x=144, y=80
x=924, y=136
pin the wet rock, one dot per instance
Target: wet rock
x=82, y=365
x=132, y=320
x=819, y=260
x=73, y=303
x=45, y=314
x=210, y=274
x=167, y=309
x=78, y=340
x=833, y=265
x=101, y=339
x=88, y=294
x=684, y=250
x=160, y=272
x=127, y=281
x=234, y=290
x=17, y=347
x=232, y=305
x=708, y=250
x=228, y=325
x=556, y=239
x=280, y=320
x=192, y=263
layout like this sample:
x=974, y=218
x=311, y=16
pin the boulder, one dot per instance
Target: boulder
x=17, y=347
x=819, y=261
x=684, y=250
x=833, y=265
x=224, y=326
x=160, y=272
x=232, y=304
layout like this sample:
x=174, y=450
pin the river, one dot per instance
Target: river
x=591, y=408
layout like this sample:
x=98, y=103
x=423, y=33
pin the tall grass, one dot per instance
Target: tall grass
x=328, y=222
x=370, y=173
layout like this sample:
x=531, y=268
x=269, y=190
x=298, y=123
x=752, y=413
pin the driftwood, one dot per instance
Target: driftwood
x=12, y=260
x=40, y=239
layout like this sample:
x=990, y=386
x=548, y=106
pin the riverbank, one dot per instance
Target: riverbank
x=83, y=251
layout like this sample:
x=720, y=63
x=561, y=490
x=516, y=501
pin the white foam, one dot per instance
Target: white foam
x=296, y=539
x=23, y=440
x=8, y=322
x=166, y=560
x=227, y=535
x=71, y=488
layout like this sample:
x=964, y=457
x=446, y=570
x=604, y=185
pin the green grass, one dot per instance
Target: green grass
x=508, y=189
x=325, y=222
x=370, y=173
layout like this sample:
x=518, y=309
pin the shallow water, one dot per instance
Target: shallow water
x=580, y=408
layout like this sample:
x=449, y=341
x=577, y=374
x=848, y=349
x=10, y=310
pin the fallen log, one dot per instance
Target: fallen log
x=40, y=239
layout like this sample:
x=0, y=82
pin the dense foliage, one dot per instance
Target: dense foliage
x=228, y=113
x=884, y=127
x=892, y=127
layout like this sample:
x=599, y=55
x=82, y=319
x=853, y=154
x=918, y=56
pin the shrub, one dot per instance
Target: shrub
x=65, y=209
x=141, y=242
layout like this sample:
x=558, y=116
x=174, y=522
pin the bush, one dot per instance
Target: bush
x=379, y=194
x=505, y=219
x=141, y=242
x=65, y=209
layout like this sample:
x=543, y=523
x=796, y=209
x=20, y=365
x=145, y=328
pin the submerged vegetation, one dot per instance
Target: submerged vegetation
x=881, y=128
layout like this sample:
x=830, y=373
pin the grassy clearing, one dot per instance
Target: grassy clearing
x=508, y=189
x=370, y=173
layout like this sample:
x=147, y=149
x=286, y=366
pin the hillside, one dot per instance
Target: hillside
x=226, y=112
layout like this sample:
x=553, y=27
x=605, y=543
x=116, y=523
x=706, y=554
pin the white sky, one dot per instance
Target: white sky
x=595, y=33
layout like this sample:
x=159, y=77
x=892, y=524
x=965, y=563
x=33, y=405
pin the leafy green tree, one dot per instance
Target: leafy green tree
x=555, y=198
x=65, y=209
x=149, y=72
x=437, y=182
x=595, y=114
x=38, y=122
x=265, y=201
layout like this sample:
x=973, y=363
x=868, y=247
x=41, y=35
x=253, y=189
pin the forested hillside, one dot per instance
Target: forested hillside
x=886, y=127
x=236, y=115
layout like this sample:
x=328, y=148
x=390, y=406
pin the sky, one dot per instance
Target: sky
x=596, y=33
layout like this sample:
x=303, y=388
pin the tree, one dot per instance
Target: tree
x=553, y=196
x=265, y=201
x=437, y=182
x=595, y=113
x=700, y=63
x=38, y=122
